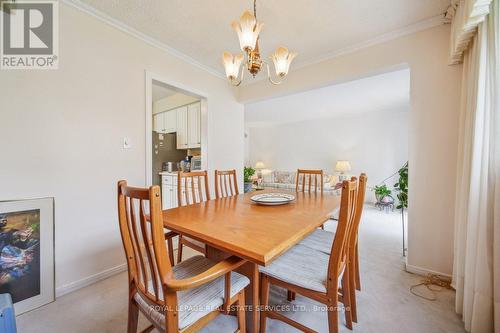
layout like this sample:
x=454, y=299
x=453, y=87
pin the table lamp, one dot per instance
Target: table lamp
x=342, y=167
x=259, y=166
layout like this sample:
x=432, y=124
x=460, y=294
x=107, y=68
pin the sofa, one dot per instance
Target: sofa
x=287, y=180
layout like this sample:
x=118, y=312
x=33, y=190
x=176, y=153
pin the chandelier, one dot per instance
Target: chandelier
x=248, y=30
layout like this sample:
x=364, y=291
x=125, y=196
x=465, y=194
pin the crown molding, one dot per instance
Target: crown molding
x=83, y=7
x=408, y=30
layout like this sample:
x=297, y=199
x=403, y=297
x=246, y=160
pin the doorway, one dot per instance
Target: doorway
x=344, y=129
x=176, y=128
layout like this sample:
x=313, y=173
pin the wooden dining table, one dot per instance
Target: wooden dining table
x=237, y=226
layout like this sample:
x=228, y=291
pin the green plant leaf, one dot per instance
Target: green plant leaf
x=247, y=173
x=402, y=187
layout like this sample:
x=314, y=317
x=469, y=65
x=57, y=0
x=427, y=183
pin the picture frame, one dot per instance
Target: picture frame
x=27, y=252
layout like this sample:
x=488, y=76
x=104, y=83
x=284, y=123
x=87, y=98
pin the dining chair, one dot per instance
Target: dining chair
x=313, y=274
x=322, y=241
x=226, y=183
x=181, y=298
x=192, y=188
x=305, y=178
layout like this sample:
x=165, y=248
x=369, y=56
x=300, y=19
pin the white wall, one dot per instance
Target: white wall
x=61, y=135
x=375, y=143
x=433, y=129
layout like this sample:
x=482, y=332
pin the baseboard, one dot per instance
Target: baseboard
x=424, y=271
x=73, y=286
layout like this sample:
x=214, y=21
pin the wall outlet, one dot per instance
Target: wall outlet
x=127, y=143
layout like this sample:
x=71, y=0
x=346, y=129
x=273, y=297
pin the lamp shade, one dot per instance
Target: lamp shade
x=282, y=59
x=342, y=166
x=248, y=30
x=232, y=64
x=259, y=165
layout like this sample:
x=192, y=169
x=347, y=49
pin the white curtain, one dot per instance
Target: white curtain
x=465, y=17
x=476, y=269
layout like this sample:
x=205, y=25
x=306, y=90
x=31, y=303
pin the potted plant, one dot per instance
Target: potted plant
x=381, y=191
x=248, y=172
x=402, y=189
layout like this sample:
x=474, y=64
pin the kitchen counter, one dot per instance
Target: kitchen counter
x=167, y=173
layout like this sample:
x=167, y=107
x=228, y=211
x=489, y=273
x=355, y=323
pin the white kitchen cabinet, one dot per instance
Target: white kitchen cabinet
x=165, y=122
x=167, y=196
x=170, y=121
x=159, y=123
x=182, y=127
x=168, y=190
x=188, y=125
x=194, y=125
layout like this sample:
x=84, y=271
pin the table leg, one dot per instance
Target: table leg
x=252, y=292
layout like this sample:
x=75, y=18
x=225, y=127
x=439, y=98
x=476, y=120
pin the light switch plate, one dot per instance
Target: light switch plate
x=127, y=143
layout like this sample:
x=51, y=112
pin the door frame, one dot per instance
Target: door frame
x=204, y=97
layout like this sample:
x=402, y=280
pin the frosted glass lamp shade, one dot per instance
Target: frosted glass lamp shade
x=248, y=30
x=282, y=59
x=232, y=64
x=259, y=165
x=342, y=166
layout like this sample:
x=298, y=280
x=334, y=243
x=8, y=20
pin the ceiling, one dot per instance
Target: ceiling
x=201, y=29
x=159, y=92
x=385, y=92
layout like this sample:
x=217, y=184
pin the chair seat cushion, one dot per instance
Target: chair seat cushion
x=301, y=266
x=319, y=240
x=194, y=241
x=193, y=304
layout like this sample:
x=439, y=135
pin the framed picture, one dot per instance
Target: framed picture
x=27, y=252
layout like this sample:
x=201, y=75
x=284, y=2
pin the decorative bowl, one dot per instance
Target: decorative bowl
x=272, y=199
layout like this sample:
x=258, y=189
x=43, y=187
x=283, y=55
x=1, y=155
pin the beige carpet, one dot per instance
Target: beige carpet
x=384, y=304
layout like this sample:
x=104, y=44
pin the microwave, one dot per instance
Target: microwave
x=196, y=163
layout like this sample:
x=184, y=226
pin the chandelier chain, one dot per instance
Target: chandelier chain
x=255, y=9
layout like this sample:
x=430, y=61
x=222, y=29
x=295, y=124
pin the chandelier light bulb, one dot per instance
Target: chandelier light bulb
x=282, y=59
x=248, y=30
x=232, y=64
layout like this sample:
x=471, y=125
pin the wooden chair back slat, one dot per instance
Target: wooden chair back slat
x=192, y=187
x=131, y=233
x=351, y=223
x=226, y=190
x=338, y=255
x=226, y=183
x=144, y=240
x=200, y=192
x=358, y=211
x=146, y=235
x=306, y=178
x=133, y=222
